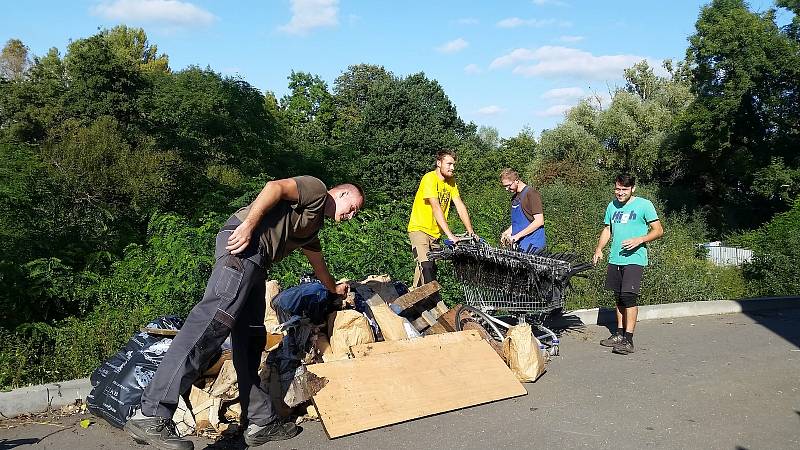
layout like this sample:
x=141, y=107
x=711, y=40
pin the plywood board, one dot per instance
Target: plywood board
x=379, y=390
x=433, y=341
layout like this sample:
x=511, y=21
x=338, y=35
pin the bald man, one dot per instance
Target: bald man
x=285, y=216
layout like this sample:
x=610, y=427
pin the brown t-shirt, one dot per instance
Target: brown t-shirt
x=288, y=225
x=531, y=202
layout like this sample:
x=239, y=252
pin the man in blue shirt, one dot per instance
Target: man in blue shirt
x=630, y=223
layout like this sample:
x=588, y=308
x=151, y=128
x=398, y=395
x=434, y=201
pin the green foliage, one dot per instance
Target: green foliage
x=14, y=60
x=776, y=247
x=746, y=76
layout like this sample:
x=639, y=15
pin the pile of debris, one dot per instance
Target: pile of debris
x=333, y=359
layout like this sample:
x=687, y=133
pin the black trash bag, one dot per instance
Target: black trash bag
x=118, y=383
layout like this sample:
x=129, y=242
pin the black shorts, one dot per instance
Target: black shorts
x=625, y=279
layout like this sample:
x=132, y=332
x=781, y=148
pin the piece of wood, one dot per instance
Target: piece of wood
x=379, y=390
x=390, y=324
x=158, y=331
x=496, y=345
x=435, y=341
x=417, y=295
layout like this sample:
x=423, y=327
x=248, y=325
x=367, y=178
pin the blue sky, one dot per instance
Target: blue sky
x=506, y=64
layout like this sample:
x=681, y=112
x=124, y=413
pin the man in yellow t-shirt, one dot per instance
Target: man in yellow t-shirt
x=428, y=221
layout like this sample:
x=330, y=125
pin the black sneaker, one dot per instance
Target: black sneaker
x=277, y=430
x=159, y=432
x=624, y=348
x=612, y=341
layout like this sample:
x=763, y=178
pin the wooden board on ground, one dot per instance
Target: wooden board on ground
x=379, y=390
x=433, y=341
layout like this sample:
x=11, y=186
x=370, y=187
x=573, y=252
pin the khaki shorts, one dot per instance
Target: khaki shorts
x=421, y=244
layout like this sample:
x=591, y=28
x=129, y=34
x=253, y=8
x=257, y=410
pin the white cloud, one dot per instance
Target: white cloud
x=516, y=55
x=556, y=61
x=310, y=14
x=172, y=12
x=491, y=110
x=453, y=46
x=468, y=21
x=555, y=110
x=514, y=22
x=472, y=69
x=564, y=94
x=570, y=39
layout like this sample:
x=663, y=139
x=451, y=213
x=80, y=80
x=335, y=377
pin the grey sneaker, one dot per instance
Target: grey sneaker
x=159, y=432
x=276, y=430
x=624, y=348
x=612, y=341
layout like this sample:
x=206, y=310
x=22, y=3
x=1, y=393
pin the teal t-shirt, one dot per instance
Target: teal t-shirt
x=629, y=221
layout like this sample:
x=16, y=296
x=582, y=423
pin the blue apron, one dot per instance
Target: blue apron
x=519, y=222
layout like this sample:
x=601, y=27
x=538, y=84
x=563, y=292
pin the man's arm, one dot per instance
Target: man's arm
x=323, y=274
x=538, y=221
x=656, y=231
x=463, y=214
x=605, y=236
x=439, y=216
x=273, y=192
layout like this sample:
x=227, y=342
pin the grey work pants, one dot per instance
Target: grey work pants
x=233, y=304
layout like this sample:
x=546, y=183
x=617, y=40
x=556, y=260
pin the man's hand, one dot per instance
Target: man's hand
x=598, y=255
x=632, y=243
x=515, y=238
x=505, y=237
x=342, y=289
x=240, y=238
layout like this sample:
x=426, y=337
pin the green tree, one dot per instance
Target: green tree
x=14, y=60
x=746, y=78
x=131, y=44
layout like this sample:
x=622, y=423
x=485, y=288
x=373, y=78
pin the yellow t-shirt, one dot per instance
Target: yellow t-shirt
x=421, y=213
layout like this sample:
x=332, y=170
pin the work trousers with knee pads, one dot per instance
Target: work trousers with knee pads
x=233, y=304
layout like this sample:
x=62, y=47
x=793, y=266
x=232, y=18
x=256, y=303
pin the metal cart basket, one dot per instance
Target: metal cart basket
x=501, y=282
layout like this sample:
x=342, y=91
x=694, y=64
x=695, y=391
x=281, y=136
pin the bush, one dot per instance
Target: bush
x=776, y=250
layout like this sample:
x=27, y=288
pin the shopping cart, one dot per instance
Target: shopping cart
x=506, y=285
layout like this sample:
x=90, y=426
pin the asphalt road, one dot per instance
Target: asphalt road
x=711, y=382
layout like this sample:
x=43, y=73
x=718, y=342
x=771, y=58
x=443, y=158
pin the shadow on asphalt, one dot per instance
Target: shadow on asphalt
x=6, y=444
x=783, y=322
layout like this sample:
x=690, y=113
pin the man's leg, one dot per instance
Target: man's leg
x=425, y=271
x=632, y=279
x=249, y=336
x=206, y=327
x=614, y=282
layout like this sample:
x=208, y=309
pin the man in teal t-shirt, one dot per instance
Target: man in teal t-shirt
x=630, y=223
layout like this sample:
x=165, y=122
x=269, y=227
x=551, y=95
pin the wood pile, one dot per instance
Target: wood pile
x=355, y=378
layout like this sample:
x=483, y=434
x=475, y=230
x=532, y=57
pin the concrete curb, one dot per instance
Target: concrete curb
x=601, y=316
x=39, y=398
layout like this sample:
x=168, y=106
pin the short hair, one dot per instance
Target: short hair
x=360, y=191
x=509, y=174
x=349, y=187
x=626, y=179
x=445, y=152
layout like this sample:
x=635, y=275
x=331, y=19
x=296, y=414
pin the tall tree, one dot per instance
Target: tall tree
x=14, y=60
x=746, y=78
x=131, y=44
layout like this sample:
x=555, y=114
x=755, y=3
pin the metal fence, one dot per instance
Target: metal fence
x=728, y=256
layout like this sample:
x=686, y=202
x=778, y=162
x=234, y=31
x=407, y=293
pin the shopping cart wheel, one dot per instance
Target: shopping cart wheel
x=467, y=314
